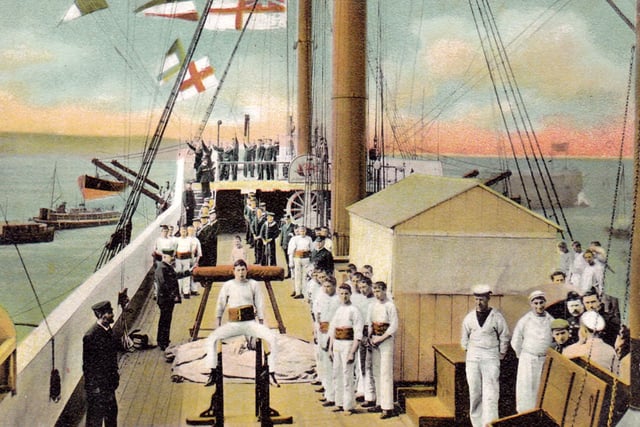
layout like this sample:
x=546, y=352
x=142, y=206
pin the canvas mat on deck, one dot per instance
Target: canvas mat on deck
x=296, y=360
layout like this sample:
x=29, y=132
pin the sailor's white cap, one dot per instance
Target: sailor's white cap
x=481, y=290
x=536, y=294
x=593, y=321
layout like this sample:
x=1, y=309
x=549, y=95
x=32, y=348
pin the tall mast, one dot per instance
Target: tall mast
x=123, y=227
x=303, y=144
x=349, y=100
x=634, y=270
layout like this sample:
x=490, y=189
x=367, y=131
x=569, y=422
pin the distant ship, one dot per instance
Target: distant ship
x=79, y=217
x=25, y=232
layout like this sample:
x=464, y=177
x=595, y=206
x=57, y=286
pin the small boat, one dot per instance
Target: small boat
x=25, y=232
x=80, y=217
x=93, y=187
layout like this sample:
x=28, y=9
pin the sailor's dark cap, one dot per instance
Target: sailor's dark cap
x=102, y=307
x=164, y=227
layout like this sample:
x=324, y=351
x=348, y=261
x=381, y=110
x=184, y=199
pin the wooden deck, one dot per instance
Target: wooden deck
x=148, y=397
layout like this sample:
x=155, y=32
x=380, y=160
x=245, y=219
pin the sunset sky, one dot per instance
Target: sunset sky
x=96, y=75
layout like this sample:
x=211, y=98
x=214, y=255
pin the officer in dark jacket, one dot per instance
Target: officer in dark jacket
x=168, y=296
x=209, y=241
x=287, y=231
x=100, y=368
x=269, y=232
x=189, y=203
x=321, y=257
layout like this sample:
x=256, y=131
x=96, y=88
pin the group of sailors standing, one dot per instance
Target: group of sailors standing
x=354, y=325
x=581, y=326
x=259, y=160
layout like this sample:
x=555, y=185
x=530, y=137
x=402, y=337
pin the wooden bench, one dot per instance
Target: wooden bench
x=8, y=345
x=568, y=395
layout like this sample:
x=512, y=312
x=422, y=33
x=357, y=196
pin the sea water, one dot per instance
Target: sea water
x=48, y=272
x=56, y=268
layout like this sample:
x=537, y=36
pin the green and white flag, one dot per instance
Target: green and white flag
x=172, y=62
x=84, y=7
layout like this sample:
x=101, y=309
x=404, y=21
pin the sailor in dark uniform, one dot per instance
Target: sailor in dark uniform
x=189, y=204
x=100, y=368
x=235, y=156
x=321, y=258
x=260, y=152
x=208, y=237
x=256, y=225
x=269, y=159
x=249, y=159
x=168, y=296
x=198, y=158
x=249, y=214
x=227, y=158
x=269, y=232
x=287, y=231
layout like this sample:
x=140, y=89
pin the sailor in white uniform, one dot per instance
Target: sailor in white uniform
x=345, y=332
x=183, y=260
x=325, y=304
x=532, y=337
x=382, y=324
x=299, y=251
x=485, y=338
x=246, y=303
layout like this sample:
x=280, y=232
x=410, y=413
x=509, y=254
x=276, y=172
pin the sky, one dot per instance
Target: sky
x=96, y=75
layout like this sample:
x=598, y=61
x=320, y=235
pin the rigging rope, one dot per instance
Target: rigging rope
x=54, y=379
x=205, y=119
x=620, y=170
x=532, y=138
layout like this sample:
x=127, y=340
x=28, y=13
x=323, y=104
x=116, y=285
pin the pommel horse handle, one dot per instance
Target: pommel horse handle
x=222, y=273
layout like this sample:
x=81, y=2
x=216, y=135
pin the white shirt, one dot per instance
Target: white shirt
x=347, y=316
x=383, y=312
x=299, y=243
x=532, y=334
x=488, y=341
x=236, y=294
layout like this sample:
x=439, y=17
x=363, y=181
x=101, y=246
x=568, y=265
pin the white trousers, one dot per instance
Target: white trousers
x=483, y=378
x=364, y=381
x=183, y=265
x=528, y=380
x=343, y=375
x=233, y=329
x=382, y=361
x=299, y=270
x=326, y=369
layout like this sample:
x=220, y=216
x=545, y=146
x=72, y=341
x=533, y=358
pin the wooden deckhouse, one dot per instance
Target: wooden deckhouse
x=433, y=238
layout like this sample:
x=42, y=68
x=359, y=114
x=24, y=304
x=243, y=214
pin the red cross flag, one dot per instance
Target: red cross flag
x=199, y=77
x=169, y=9
x=232, y=15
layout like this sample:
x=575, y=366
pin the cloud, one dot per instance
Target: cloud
x=23, y=55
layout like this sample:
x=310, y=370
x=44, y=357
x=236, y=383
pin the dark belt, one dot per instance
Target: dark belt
x=301, y=254
x=242, y=313
x=324, y=327
x=379, y=328
x=344, y=334
x=183, y=255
